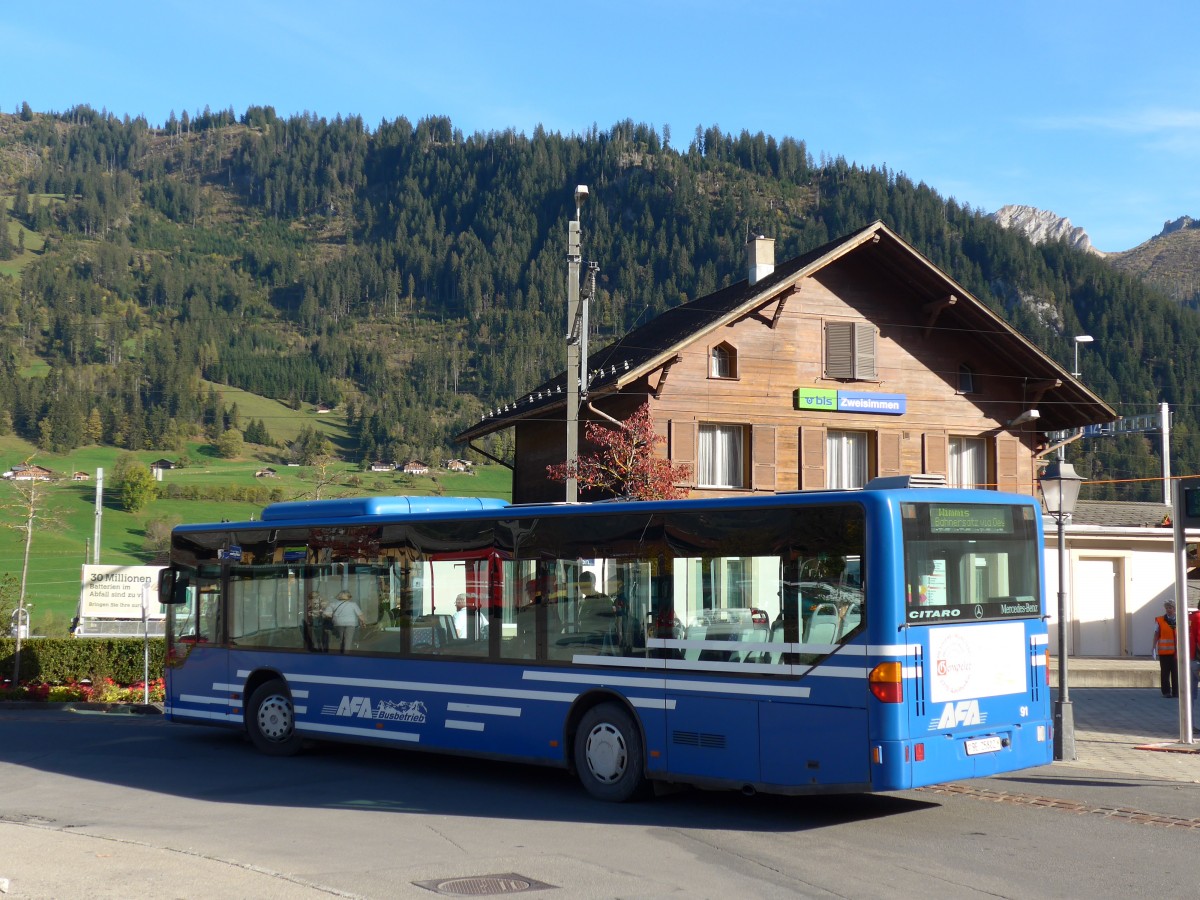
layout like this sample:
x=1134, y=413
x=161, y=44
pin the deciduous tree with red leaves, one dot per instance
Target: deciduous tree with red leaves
x=624, y=464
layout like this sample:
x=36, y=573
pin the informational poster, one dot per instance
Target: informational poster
x=933, y=585
x=115, y=592
x=972, y=662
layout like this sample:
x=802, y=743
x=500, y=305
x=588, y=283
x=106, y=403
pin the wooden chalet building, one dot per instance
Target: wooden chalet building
x=857, y=359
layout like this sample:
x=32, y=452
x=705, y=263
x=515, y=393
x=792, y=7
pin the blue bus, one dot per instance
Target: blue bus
x=829, y=641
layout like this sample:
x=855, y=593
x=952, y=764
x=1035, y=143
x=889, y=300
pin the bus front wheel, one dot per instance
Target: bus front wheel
x=271, y=720
x=608, y=754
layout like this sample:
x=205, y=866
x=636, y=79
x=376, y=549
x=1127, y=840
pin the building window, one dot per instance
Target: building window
x=722, y=456
x=850, y=351
x=968, y=462
x=848, y=460
x=723, y=361
x=966, y=380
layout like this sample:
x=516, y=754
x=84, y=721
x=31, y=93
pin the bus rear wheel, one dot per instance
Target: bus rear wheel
x=608, y=754
x=271, y=720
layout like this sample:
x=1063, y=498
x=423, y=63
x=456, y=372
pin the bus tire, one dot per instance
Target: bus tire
x=608, y=754
x=271, y=720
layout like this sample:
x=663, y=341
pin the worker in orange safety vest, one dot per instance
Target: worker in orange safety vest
x=1164, y=650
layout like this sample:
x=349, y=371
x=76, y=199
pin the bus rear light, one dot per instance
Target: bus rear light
x=887, y=682
x=919, y=752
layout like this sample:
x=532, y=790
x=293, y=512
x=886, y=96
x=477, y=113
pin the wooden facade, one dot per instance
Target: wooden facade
x=861, y=342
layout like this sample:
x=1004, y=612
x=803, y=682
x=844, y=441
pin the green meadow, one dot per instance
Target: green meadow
x=66, y=511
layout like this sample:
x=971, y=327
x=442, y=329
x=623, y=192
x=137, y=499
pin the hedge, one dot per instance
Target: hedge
x=68, y=660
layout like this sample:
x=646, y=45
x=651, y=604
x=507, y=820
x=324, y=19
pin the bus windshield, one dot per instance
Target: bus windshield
x=970, y=562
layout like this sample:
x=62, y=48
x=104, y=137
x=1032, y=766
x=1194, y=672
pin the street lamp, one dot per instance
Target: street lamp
x=1060, y=485
x=1080, y=339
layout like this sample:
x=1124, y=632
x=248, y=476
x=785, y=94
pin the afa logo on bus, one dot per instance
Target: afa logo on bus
x=964, y=712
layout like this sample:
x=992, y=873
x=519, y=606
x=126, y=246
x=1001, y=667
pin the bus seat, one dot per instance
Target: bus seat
x=823, y=626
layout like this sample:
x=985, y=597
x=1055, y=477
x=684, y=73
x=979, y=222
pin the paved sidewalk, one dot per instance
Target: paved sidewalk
x=1113, y=726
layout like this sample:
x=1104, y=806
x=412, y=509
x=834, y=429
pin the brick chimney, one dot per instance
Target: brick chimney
x=760, y=257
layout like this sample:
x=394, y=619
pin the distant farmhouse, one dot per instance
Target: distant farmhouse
x=458, y=465
x=28, y=473
x=416, y=467
x=379, y=466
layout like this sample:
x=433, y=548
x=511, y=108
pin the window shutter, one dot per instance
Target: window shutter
x=864, y=351
x=762, y=448
x=850, y=350
x=682, y=444
x=1008, y=454
x=937, y=453
x=812, y=457
x=889, y=452
x=839, y=350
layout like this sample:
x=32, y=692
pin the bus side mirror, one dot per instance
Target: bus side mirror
x=167, y=595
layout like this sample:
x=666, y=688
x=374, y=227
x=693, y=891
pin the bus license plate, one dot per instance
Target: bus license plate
x=983, y=745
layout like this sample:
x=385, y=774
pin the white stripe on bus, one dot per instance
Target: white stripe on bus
x=481, y=710
x=218, y=701
x=464, y=726
x=663, y=684
x=175, y=711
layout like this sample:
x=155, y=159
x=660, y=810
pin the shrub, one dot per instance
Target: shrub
x=64, y=661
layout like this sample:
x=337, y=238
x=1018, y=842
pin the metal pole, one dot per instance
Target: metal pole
x=99, y=516
x=146, y=644
x=573, y=357
x=1183, y=644
x=1064, y=714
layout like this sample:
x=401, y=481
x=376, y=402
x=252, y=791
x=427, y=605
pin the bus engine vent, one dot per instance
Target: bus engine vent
x=696, y=739
x=897, y=482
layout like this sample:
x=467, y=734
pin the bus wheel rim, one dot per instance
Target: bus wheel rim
x=606, y=753
x=275, y=718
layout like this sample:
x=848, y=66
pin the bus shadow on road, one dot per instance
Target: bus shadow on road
x=412, y=781
x=221, y=766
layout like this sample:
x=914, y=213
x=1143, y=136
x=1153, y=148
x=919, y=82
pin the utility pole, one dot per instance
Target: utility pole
x=576, y=345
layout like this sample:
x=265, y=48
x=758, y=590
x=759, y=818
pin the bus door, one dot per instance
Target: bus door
x=197, y=659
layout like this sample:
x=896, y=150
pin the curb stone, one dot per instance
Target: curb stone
x=136, y=709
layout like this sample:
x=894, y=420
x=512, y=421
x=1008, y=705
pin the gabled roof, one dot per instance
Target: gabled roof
x=1121, y=513
x=648, y=347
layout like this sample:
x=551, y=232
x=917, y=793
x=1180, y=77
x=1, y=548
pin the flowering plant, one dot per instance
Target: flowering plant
x=103, y=691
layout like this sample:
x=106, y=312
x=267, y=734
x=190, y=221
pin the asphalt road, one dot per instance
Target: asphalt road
x=107, y=806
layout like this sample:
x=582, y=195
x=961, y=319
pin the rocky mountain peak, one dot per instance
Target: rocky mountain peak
x=1180, y=224
x=1041, y=225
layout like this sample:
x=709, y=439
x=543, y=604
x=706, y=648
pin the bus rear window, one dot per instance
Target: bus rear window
x=970, y=562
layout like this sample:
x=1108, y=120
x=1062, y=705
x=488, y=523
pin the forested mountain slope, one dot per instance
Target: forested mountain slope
x=417, y=274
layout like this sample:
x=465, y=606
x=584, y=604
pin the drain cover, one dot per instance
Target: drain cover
x=484, y=885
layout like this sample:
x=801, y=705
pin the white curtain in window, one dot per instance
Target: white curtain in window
x=722, y=362
x=846, y=465
x=968, y=462
x=720, y=461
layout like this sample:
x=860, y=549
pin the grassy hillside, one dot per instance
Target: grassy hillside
x=284, y=424
x=1170, y=262
x=61, y=541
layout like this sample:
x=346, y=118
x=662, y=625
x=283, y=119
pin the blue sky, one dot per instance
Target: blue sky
x=1088, y=109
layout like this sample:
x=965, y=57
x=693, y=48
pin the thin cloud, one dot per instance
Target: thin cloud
x=1145, y=122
